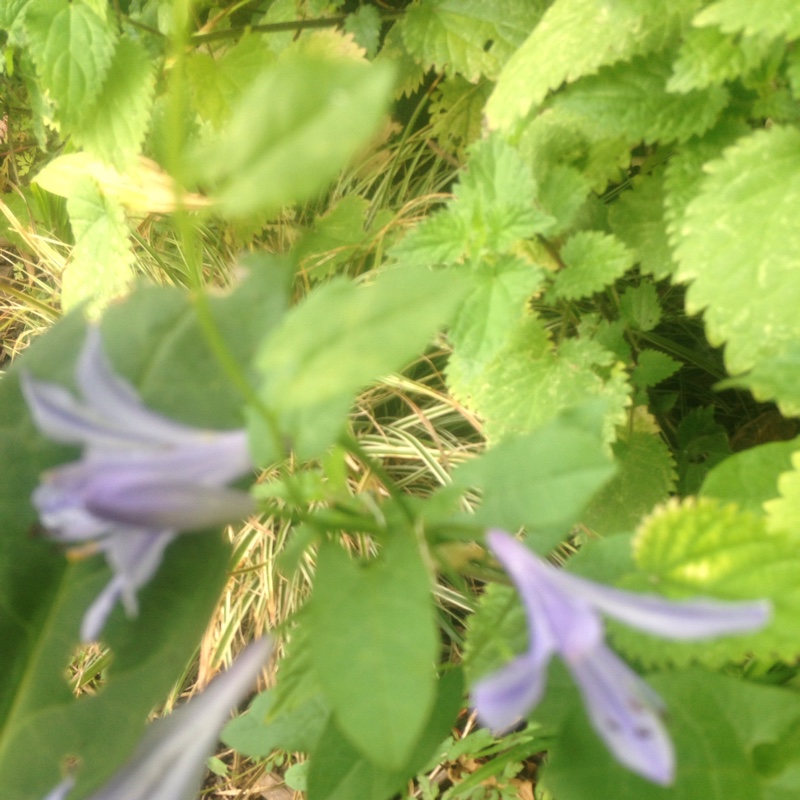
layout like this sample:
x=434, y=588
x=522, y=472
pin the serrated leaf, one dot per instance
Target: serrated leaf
x=576, y=38
x=549, y=380
x=442, y=238
x=705, y=549
x=733, y=16
x=115, y=124
x=592, y=261
x=630, y=99
x=470, y=37
x=707, y=56
x=640, y=308
x=774, y=378
x=637, y=218
x=783, y=512
x=72, y=48
x=100, y=268
x=365, y=26
x=279, y=146
x=456, y=111
x=410, y=73
x=309, y=377
x=739, y=247
x=645, y=476
x=652, y=367
x=378, y=669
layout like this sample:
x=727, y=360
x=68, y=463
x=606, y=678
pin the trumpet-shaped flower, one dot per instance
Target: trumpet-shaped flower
x=141, y=478
x=563, y=613
x=169, y=762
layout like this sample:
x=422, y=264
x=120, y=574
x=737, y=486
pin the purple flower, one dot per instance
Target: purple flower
x=169, y=762
x=141, y=479
x=563, y=613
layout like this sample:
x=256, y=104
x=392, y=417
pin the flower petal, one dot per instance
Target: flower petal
x=626, y=713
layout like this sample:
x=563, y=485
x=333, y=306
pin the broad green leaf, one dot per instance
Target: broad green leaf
x=706, y=549
x=292, y=131
x=309, y=375
x=470, y=37
x=115, y=124
x=733, y=741
x=735, y=16
x=750, y=478
x=637, y=218
x=739, y=247
x=456, y=110
x=378, y=668
x=442, y=238
x=492, y=309
x=645, y=476
x=775, y=378
x=549, y=379
x=592, y=261
x=707, y=56
x=652, y=367
x=100, y=268
x=72, y=48
x=576, y=38
x=43, y=597
x=630, y=99
x=542, y=480
x=365, y=26
x=783, y=513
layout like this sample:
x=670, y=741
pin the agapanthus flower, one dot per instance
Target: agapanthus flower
x=563, y=615
x=170, y=761
x=141, y=478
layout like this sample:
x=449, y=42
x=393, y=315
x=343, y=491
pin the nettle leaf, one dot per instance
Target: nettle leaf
x=456, y=110
x=72, y=48
x=652, y=367
x=576, y=38
x=541, y=480
x=640, y=307
x=442, y=238
x=292, y=131
x=470, y=37
x=378, y=670
x=309, y=377
x=100, y=268
x=114, y=126
x=592, y=261
x=630, y=99
x=739, y=247
x=734, y=16
x=549, y=379
x=365, y=26
x=706, y=549
x=707, y=56
x=750, y=478
x=783, y=513
x=637, y=218
x=410, y=73
x=645, y=476
x=774, y=378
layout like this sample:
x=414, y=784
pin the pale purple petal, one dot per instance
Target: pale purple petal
x=170, y=761
x=626, y=713
x=62, y=790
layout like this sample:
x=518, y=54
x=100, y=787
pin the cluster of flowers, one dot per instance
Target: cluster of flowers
x=143, y=479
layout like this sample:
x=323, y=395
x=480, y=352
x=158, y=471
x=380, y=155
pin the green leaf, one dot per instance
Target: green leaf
x=378, y=669
x=774, y=378
x=442, y=238
x=592, y=261
x=652, y=367
x=734, y=16
x=707, y=57
x=783, y=512
x=637, y=218
x=630, y=99
x=739, y=247
x=292, y=131
x=724, y=730
x=365, y=26
x=410, y=73
x=72, y=48
x=750, y=478
x=100, y=269
x=542, y=480
x=576, y=38
x=456, y=111
x=550, y=380
x=309, y=376
x=470, y=37
x=645, y=476
x=709, y=550
x=640, y=308
x=114, y=126
x=702, y=445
